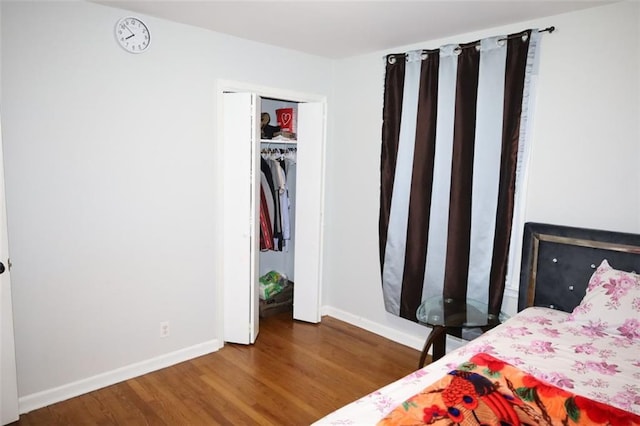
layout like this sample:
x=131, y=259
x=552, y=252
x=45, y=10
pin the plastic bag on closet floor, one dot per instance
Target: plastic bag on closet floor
x=272, y=283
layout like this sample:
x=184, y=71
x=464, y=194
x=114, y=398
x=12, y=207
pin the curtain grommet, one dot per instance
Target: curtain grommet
x=391, y=59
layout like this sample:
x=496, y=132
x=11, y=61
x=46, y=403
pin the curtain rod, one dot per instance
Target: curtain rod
x=509, y=37
x=520, y=34
x=546, y=30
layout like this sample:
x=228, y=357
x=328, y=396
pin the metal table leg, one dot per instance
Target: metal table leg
x=437, y=338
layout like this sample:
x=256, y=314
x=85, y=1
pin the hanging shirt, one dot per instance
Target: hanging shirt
x=267, y=194
x=265, y=166
x=284, y=204
x=277, y=234
x=266, y=236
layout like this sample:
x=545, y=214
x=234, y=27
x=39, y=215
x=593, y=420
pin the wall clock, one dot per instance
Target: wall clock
x=132, y=34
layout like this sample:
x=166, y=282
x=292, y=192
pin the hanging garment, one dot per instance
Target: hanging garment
x=266, y=237
x=277, y=234
x=265, y=166
x=285, y=205
x=267, y=194
x=274, y=165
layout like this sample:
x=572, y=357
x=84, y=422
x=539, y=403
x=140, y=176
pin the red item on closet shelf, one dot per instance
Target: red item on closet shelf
x=286, y=119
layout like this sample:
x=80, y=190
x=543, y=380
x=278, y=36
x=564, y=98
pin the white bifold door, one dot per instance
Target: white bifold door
x=241, y=214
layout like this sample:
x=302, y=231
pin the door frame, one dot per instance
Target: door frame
x=224, y=86
x=9, y=403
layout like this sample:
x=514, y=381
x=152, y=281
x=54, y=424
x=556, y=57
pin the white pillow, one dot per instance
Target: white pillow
x=611, y=303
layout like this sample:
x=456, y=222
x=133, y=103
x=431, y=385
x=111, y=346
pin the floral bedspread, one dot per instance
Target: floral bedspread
x=581, y=359
x=488, y=391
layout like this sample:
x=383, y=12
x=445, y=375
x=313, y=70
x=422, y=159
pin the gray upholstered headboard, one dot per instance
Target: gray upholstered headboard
x=557, y=262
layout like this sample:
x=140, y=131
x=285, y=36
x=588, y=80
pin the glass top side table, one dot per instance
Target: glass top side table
x=450, y=316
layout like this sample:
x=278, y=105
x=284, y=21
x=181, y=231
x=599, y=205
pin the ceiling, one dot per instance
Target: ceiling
x=339, y=29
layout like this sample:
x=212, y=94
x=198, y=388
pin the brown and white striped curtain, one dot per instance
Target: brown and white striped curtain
x=452, y=130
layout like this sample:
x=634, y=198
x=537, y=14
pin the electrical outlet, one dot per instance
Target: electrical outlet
x=164, y=329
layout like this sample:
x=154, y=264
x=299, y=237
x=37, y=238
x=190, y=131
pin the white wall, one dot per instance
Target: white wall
x=113, y=176
x=585, y=150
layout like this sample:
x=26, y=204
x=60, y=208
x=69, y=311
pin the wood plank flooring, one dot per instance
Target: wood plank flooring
x=295, y=374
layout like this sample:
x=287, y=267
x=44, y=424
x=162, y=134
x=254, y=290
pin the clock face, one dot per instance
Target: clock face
x=133, y=35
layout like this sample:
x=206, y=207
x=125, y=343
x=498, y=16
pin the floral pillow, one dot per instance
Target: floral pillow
x=611, y=303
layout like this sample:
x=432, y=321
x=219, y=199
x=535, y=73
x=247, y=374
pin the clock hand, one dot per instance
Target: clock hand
x=127, y=38
x=129, y=29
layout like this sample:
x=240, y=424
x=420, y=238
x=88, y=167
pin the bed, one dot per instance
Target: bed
x=571, y=355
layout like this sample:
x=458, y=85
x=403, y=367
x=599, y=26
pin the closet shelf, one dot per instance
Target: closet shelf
x=279, y=141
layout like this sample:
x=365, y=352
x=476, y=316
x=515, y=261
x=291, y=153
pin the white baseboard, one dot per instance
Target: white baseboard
x=51, y=396
x=414, y=341
x=42, y=399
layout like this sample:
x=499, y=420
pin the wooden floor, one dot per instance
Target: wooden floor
x=295, y=374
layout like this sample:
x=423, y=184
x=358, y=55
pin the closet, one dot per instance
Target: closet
x=300, y=257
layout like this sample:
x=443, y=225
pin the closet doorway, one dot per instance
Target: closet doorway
x=242, y=144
